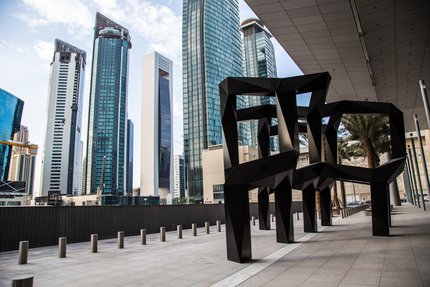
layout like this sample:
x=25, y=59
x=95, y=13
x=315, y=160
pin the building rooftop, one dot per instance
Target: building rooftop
x=345, y=254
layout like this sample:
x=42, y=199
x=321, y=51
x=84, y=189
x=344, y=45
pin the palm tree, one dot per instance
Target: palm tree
x=371, y=136
x=344, y=152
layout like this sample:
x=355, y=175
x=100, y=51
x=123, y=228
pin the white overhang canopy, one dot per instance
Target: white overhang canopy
x=374, y=50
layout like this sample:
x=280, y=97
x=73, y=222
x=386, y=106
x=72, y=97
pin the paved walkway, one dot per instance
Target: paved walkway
x=342, y=255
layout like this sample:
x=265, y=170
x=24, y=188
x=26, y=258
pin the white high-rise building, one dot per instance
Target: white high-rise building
x=179, y=176
x=156, y=173
x=64, y=118
x=22, y=163
x=77, y=170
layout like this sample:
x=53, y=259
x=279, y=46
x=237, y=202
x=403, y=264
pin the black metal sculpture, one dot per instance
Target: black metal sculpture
x=278, y=173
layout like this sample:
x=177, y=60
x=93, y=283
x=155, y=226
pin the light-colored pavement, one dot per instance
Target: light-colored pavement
x=342, y=255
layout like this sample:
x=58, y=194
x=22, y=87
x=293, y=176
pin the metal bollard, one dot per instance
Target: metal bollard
x=298, y=217
x=253, y=220
x=143, y=236
x=194, y=229
x=218, y=225
x=120, y=239
x=179, y=228
x=342, y=213
x=23, y=252
x=207, y=227
x=22, y=281
x=94, y=239
x=62, y=242
x=162, y=233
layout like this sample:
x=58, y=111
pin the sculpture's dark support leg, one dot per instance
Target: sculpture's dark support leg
x=309, y=209
x=380, y=209
x=284, y=212
x=238, y=231
x=263, y=209
x=325, y=205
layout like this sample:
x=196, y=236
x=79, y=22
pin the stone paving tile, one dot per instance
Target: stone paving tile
x=343, y=255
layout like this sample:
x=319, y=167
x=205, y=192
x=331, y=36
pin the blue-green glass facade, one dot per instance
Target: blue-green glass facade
x=107, y=127
x=10, y=121
x=211, y=51
x=164, y=133
x=130, y=156
x=259, y=61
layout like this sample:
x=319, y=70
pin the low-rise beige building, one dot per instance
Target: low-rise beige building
x=213, y=171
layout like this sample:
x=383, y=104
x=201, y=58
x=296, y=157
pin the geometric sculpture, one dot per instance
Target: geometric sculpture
x=279, y=174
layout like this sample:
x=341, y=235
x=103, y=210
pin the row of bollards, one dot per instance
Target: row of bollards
x=62, y=241
x=353, y=210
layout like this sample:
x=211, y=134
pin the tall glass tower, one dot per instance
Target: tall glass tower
x=10, y=121
x=107, y=121
x=130, y=155
x=156, y=154
x=61, y=155
x=259, y=61
x=211, y=51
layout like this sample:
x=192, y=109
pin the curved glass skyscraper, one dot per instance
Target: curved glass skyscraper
x=107, y=122
x=259, y=61
x=10, y=120
x=211, y=51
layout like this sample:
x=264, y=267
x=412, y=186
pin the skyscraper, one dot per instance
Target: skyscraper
x=211, y=51
x=77, y=180
x=107, y=121
x=156, y=137
x=10, y=120
x=130, y=154
x=22, y=162
x=64, y=120
x=259, y=61
x=178, y=176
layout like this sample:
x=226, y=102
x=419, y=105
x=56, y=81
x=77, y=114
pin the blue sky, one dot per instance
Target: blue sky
x=29, y=28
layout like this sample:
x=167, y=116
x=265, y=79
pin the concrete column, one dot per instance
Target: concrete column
x=143, y=237
x=394, y=188
x=414, y=177
x=407, y=181
x=62, y=242
x=423, y=157
x=253, y=220
x=22, y=281
x=23, y=252
x=120, y=239
x=162, y=233
x=179, y=231
x=425, y=100
x=218, y=225
x=94, y=239
x=418, y=173
x=207, y=227
x=194, y=229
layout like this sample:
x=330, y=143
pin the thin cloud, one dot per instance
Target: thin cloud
x=156, y=23
x=44, y=49
x=72, y=13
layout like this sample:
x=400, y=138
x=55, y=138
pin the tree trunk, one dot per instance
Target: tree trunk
x=335, y=198
x=370, y=154
x=318, y=203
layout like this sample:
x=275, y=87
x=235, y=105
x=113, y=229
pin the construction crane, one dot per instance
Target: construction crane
x=31, y=148
x=100, y=188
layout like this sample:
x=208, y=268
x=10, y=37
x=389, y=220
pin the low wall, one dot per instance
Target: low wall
x=42, y=226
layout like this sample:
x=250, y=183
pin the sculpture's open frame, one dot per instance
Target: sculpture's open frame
x=278, y=173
